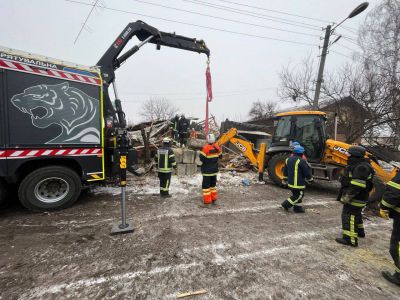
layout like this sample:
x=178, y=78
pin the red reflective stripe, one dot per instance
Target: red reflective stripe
x=51, y=72
x=24, y=153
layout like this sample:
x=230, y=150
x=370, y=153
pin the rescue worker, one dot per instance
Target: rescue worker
x=294, y=144
x=165, y=159
x=209, y=156
x=296, y=173
x=390, y=208
x=183, y=127
x=356, y=183
x=175, y=124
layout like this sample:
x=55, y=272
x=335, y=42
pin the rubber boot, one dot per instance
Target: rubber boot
x=286, y=205
x=298, y=209
x=393, y=278
x=361, y=233
x=165, y=195
x=346, y=242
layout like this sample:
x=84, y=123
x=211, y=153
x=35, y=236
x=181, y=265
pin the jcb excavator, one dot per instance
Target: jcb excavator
x=257, y=158
x=327, y=157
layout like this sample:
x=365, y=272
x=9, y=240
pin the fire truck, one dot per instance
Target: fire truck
x=59, y=128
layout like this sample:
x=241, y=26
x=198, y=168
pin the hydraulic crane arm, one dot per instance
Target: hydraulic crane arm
x=111, y=60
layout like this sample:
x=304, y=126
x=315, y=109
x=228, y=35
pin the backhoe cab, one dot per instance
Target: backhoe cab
x=327, y=157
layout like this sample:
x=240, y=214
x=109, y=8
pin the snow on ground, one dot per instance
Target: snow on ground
x=180, y=185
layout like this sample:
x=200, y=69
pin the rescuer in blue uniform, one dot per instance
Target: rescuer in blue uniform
x=356, y=184
x=296, y=174
x=390, y=208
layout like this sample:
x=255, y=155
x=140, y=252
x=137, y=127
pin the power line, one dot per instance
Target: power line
x=218, y=93
x=225, y=19
x=87, y=18
x=255, y=15
x=341, y=54
x=196, y=25
x=349, y=40
x=348, y=48
x=275, y=11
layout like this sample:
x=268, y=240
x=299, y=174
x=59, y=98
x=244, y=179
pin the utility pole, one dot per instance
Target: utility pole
x=322, y=66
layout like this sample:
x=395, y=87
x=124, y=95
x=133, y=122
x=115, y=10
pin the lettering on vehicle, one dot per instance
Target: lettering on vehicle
x=121, y=39
x=341, y=150
x=125, y=34
x=28, y=61
x=241, y=147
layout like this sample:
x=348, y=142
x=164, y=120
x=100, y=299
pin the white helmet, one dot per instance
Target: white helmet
x=166, y=140
x=210, y=138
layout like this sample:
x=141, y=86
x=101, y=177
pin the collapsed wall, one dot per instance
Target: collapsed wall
x=187, y=161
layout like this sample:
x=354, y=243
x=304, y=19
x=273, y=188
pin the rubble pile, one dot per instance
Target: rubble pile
x=234, y=162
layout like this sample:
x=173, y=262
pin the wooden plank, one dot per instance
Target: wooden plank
x=187, y=294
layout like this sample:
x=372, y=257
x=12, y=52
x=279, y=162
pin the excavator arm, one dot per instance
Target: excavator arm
x=247, y=149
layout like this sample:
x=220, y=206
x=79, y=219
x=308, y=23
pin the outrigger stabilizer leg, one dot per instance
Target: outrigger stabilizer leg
x=126, y=226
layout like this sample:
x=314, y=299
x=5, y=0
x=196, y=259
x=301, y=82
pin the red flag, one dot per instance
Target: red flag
x=209, y=85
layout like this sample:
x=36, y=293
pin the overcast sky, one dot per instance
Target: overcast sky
x=244, y=68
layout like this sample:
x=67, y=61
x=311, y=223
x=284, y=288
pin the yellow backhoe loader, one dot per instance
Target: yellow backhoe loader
x=327, y=157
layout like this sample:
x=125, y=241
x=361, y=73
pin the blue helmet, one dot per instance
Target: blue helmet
x=294, y=144
x=298, y=150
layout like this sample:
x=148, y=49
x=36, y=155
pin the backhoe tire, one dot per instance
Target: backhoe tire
x=50, y=188
x=376, y=194
x=275, y=167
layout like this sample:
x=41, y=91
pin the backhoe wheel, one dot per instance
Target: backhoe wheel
x=50, y=188
x=275, y=167
x=375, y=195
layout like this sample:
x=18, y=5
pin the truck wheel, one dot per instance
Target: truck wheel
x=50, y=188
x=275, y=167
x=376, y=194
x=3, y=193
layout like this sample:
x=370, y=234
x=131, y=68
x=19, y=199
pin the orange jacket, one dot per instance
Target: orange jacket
x=209, y=157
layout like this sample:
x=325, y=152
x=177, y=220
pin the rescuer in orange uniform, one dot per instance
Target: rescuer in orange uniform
x=209, y=156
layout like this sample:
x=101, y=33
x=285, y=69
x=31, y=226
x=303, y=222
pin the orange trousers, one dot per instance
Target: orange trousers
x=209, y=189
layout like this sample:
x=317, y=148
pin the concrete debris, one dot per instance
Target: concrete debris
x=234, y=162
x=246, y=182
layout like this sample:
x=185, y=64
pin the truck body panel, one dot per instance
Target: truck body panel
x=48, y=112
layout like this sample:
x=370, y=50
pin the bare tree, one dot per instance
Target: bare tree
x=371, y=81
x=156, y=109
x=379, y=40
x=298, y=83
x=262, y=110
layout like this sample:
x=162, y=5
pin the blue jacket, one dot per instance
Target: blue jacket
x=296, y=171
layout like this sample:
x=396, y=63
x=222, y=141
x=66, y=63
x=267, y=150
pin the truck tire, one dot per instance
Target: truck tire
x=50, y=188
x=376, y=194
x=3, y=193
x=275, y=167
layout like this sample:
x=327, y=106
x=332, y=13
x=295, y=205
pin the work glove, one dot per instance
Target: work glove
x=384, y=213
x=284, y=182
x=345, y=199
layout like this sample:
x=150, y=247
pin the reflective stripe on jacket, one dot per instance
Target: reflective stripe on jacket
x=209, y=157
x=165, y=159
x=296, y=171
x=391, y=197
x=357, y=182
